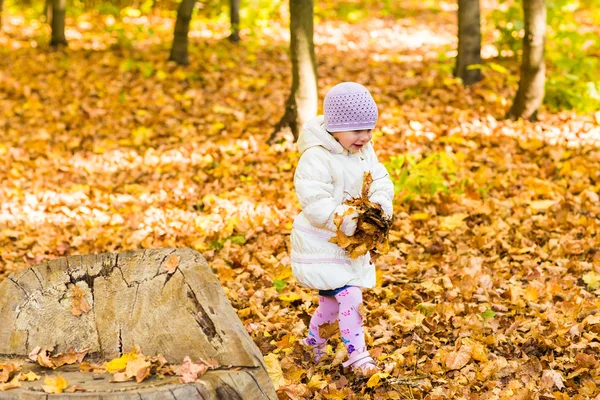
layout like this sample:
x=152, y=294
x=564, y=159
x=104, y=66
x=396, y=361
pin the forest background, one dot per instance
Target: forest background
x=490, y=288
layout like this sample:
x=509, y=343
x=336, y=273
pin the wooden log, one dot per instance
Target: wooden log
x=163, y=301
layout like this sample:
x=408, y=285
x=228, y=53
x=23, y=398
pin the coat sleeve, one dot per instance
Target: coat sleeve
x=315, y=190
x=382, y=188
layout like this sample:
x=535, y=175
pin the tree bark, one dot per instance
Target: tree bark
x=469, y=41
x=235, y=20
x=179, y=50
x=58, y=23
x=164, y=301
x=301, y=105
x=533, y=68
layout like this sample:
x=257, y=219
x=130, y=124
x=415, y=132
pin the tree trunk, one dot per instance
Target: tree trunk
x=179, y=51
x=469, y=42
x=235, y=20
x=58, y=23
x=1, y=8
x=163, y=301
x=533, y=68
x=301, y=105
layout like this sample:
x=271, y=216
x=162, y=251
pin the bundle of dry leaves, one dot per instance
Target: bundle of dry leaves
x=372, y=229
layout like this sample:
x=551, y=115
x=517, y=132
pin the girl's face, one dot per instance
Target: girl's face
x=353, y=141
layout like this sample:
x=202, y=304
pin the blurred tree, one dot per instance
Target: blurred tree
x=57, y=22
x=1, y=8
x=533, y=68
x=301, y=105
x=235, y=20
x=469, y=42
x=179, y=50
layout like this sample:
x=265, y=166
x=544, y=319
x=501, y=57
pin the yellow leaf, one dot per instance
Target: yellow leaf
x=140, y=135
x=375, y=380
x=119, y=364
x=316, y=383
x=289, y=297
x=284, y=273
x=30, y=376
x=532, y=293
x=592, y=279
x=161, y=75
x=452, y=222
x=541, y=205
x=274, y=370
x=378, y=278
x=419, y=216
x=55, y=385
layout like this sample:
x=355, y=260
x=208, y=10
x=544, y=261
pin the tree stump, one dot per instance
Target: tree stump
x=137, y=298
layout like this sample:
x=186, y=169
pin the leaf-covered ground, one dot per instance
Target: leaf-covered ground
x=489, y=290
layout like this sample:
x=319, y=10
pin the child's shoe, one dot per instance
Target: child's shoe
x=318, y=349
x=362, y=363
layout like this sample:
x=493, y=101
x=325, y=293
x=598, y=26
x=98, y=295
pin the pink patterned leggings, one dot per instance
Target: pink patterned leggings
x=343, y=307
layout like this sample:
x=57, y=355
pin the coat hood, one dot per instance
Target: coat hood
x=314, y=134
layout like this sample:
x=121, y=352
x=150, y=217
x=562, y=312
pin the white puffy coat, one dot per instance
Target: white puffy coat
x=326, y=176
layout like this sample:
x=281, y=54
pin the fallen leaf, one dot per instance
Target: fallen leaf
x=190, y=371
x=316, y=383
x=7, y=371
x=30, y=376
x=452, y=222
x=541, y=205
x=138, y=368
x=551, y=378
x=171, y=264
x=592, y=279
x=55, y=385
x=119, y=364
x=274, y=370
x=459, y=358
x=75, y=388
x=13, y=384
x=376, y=379
x=33, y=356
x=79, y=304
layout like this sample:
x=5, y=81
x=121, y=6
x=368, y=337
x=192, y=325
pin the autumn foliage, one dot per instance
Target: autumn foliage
x=490, y=287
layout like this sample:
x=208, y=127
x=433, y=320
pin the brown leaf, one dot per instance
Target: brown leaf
x=190, y=371
x=75, y=388
x=44, y=360
x=7, y=371
x=79, y=304
x=138, y=368
x=327, y=330
x=458, y=358
x=120, y=377
x=551, y=378
x=13, y=384
x=33, y=356
x=171, y=264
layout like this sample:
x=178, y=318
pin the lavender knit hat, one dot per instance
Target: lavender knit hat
x=349, y=106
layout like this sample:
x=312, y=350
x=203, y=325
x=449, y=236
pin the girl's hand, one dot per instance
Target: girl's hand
x=349, y=224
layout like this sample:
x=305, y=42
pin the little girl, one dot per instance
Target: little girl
x=335, y=152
